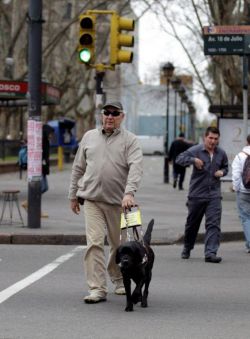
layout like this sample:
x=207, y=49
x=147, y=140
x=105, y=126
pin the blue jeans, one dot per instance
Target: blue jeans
x=44, y=184
x=243, y=204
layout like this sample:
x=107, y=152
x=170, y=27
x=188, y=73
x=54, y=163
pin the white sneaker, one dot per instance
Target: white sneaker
x=94, y=298
x=247, y=250
x=120, y=290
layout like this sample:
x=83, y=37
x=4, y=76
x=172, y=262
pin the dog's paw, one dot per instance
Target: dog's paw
x=129, y=308
x=136, y=297
x=144, y=303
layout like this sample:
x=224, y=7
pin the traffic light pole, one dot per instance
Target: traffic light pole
x=99, y=93
x=34, y=107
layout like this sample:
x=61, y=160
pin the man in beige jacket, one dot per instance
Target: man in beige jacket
x=105, y=175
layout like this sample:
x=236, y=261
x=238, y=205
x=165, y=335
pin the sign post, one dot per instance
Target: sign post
x=231, y=40
x=34, y=106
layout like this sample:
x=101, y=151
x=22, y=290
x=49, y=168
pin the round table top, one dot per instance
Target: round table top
x=10, y=191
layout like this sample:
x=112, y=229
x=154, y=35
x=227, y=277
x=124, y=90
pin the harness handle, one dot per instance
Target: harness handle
x=135, y=230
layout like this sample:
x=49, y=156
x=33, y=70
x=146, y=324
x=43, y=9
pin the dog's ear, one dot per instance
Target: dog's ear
x=117, y=256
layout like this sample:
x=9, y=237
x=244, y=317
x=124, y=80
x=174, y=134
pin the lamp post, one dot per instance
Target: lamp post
x=176, y=82
x=184, y=100
x=192, y=112
x=182, y=92
x=168, y=70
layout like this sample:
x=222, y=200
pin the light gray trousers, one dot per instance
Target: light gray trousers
x=99, y=219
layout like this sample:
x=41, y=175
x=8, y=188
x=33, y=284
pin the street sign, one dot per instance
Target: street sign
x=15, y=90
x=244, y=29
x=227, y=44
x=226, y=40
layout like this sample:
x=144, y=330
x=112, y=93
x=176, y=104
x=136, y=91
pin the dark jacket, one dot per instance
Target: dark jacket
x=178, y=146
x=203, y=183
x=46, y=153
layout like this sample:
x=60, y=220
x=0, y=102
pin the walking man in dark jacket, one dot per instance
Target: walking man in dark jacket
x=210, y=163
x=178, y=146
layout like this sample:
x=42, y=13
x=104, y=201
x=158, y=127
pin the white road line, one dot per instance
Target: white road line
x=20, y=285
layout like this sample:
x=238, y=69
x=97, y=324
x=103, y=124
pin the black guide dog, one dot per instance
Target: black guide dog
x=136, y=260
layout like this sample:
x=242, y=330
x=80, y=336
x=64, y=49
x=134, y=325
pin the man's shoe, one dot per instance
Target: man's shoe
x=94, y=298
x=213, y=259
x=185, y=253
x=120, y=290
x=175, y=183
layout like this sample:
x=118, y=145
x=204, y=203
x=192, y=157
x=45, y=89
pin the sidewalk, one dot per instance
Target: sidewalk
x=157, y=200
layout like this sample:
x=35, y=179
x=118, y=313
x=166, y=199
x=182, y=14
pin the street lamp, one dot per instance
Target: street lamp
x=176, y=82
x=168, y=70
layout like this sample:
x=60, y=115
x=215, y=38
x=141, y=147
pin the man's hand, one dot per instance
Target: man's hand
x=198, y=163
x=218, y=174
x=75, y=206
x=128, y=201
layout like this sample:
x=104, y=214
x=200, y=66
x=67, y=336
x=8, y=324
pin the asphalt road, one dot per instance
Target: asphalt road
x=42, y=287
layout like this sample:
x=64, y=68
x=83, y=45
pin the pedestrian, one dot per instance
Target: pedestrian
x=106, y=172
x=47, y=133
x=178, y=146
x=22, y=157
x=210, y=163
x=242, y=193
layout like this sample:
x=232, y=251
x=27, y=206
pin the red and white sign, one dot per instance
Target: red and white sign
x=19, y=89
x=34, y=149
x=244, y=29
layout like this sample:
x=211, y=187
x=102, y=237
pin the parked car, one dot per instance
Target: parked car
x=151, y=145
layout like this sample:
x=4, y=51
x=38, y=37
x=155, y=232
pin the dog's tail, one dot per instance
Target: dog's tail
x=147, y=235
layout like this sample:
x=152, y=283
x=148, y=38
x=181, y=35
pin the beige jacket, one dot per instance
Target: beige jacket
x=106, y=167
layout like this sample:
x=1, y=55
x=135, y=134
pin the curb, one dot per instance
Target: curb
x=80, y=239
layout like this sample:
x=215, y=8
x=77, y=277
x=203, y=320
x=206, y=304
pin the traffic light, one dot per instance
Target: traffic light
x=119, y=40
x=87, y=37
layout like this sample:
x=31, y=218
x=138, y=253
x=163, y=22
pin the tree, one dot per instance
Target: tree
x=59, y=59
x=218, y=77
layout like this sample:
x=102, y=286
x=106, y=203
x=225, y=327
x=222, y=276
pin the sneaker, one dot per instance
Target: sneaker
x=120, y=290
x=174, y=183
x=247, y=250
x=44, y=215
x=213, y=259
x=94, y=298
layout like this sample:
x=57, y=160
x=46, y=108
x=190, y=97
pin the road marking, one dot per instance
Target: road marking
x=20, y=285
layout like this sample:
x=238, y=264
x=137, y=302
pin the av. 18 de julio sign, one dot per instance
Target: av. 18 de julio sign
x=226, y=40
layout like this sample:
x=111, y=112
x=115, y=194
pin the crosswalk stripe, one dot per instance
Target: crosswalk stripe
x=20, y=285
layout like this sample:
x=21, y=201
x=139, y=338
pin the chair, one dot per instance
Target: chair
x=10, y=198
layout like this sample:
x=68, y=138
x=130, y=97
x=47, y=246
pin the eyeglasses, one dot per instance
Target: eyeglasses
x=114, y=113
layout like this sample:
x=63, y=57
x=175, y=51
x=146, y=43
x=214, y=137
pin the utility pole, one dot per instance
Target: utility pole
x=245, y=97
x=34, y=107
x=99, y=94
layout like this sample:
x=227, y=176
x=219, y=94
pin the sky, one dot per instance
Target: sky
x=155, y=48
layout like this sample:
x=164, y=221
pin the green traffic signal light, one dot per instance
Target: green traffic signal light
x=85, y=55
x=87, y=37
